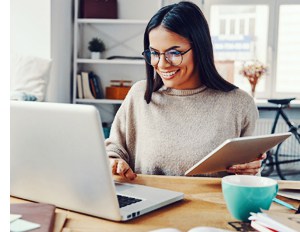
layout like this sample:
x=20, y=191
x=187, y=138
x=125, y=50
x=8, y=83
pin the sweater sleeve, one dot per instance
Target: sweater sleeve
x=250, y=118
x=122, y=139
x=116, y=143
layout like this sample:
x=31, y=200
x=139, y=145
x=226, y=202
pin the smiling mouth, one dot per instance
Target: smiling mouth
x=168, y=75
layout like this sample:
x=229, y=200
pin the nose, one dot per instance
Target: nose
x=162, y=61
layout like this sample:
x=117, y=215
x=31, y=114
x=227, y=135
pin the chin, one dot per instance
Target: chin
x=169, y=84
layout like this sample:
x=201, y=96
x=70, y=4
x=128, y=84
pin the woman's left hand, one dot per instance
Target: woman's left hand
x=251, y=168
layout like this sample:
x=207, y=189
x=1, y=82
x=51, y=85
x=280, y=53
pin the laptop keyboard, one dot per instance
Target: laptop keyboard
x=124, y=201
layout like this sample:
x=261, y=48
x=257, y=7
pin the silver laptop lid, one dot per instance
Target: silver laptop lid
x=44, y=139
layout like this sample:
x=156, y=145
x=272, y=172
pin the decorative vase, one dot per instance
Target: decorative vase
x=95, y=55
x=253, y=79
x=253, y=71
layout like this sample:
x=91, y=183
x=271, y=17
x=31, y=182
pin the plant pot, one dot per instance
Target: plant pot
x=95, y=55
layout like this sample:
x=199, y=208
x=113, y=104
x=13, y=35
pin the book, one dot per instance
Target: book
x=59, y=221
x=92, y=86
x=261, y=227
x=195, y=229
x=275, y=221
x=289, y=189
x=87, y=94
x=97, y=85
x=290, y=193
x=79, y=86
x=40, y=213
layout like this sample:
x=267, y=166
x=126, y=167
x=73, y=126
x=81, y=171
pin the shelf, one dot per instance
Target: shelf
x=112, y=21
x=99, y=101
x=123, y=37
x=114, y=61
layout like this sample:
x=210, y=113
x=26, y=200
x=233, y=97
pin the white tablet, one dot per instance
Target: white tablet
x=236, y=151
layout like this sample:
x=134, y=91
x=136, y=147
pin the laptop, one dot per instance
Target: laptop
x=236, y=151
x=58, y=157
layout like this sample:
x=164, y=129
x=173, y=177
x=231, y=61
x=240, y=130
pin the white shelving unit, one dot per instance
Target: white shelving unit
x=122, y=37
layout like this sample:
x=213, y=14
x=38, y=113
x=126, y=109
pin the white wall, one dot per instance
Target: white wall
x=30, y=27
x=43, y=28
x=61, y=51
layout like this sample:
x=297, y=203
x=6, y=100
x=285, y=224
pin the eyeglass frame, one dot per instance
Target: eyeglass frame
x=166, y=59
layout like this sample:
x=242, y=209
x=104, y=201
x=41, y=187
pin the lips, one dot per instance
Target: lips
x=168, y=75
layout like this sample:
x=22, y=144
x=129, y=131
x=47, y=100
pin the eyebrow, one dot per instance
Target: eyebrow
x=173, y=47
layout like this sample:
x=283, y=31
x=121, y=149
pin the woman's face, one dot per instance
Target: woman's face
x=183, y=76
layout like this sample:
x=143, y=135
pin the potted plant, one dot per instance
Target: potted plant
x=96, y=46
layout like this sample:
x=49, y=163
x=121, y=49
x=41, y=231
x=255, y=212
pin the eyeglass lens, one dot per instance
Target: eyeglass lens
x=173, y=57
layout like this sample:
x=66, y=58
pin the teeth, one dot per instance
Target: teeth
x=167, y=74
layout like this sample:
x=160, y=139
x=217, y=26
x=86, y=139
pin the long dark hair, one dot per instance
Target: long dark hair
x=187, y=20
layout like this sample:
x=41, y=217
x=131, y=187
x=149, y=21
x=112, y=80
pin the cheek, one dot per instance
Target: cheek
x=188, y=69
x=188, y=65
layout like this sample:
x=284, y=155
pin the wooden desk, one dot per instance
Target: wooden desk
x=203, y=205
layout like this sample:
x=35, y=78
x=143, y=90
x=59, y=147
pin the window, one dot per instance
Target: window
x=264, y=30
x=288, y=49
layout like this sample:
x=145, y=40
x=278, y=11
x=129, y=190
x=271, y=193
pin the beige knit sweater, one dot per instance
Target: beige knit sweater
x=178, y=127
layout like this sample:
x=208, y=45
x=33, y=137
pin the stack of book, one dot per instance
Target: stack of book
x=275, y=221
x=89, y=86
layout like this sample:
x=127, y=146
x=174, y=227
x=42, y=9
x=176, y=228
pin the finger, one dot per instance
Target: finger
x=251, y=168
x=122, y=168
x=129, y=174
x=244, y=172
x=248, y=172
x=113, y=165
x=252, y=165
x=262, y=156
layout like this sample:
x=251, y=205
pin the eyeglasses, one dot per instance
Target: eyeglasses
x=173, y=57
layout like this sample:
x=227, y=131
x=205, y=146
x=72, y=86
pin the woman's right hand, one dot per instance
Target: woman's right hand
x=120, y=167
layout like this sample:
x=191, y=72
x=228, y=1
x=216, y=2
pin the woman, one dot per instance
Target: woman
x=185, y=109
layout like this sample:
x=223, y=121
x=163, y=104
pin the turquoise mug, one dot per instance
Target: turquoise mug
x=244, y=194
